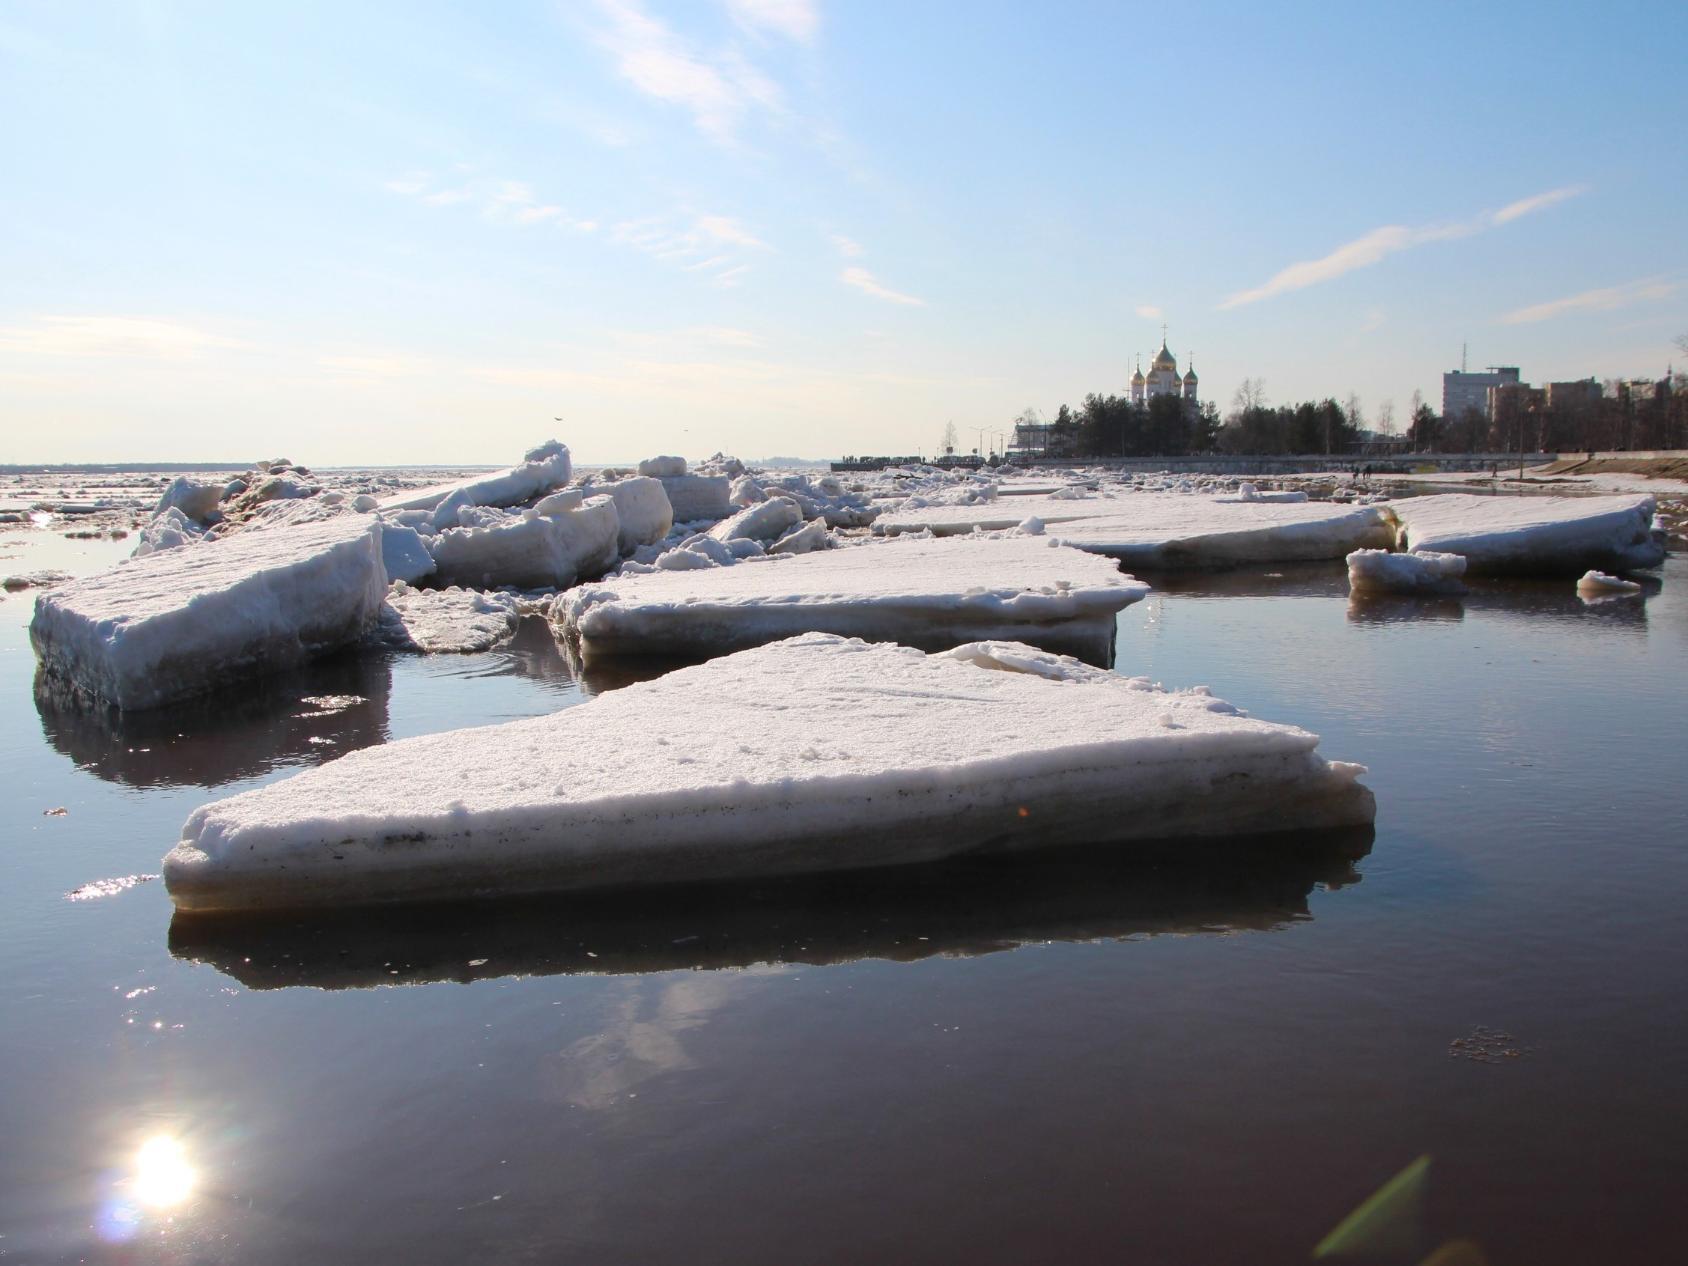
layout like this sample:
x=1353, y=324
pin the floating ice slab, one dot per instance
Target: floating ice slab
x=928, y=593
x=179, y=622
x=1169, y=530
x=1563, y=535
x=1599, y=582
x=1379, y=571
x=435, y=620
x=817, y=753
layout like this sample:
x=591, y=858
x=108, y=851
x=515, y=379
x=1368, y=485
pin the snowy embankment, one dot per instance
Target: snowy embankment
x=179, y=622
x=928, y=593
x=1551, y=535
x=1379, y=571
x=1159, y=529
x=741, y=767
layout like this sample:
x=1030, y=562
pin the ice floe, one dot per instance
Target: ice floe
x=928, y=593
x=527, y=549
x=179, y=622
x=1158, y=529
x=1599, y=582
x=743, y=766
x=1379, y=571
x=1563, y=535
x=436, y=620
x=541, y=470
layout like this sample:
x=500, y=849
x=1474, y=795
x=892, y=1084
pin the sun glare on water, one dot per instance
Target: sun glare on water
x=163, y=1178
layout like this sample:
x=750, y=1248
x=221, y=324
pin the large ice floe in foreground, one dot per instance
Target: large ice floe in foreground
x=928, y=593
x=812, y=754
x=1154, y=529
x=1563, y=535
x=180, y=622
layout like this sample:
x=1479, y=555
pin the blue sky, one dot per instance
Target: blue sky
x=420, y=232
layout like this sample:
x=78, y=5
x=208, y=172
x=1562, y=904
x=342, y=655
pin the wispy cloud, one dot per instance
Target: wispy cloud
x=1149, y=312
x=718, y=89
x=1373, y=321
x=501, y=201
x=1524, y=206
x=112, y=336
x=797, y=20
x=867, y=283
x=1605, y=299
x=847, y=246
x=713, y=245
x=1391, y=239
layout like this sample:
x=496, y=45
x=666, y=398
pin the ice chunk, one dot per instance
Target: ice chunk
x=697, y=497
x=196, y=500
x=1164, y=529
x=454, y=619
x=663, y=467
x=938, y=756
x=643, y=509
x=1564, y=535
x=1379, y=571
x=180, y=622
x=1599, y=582
x=531, y=550
x=404, y=553
x=920, y=592
x=802, y=539
x=763, y=521
x=541, y=470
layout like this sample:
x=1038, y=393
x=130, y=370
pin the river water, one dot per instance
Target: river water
x=1172, y=1058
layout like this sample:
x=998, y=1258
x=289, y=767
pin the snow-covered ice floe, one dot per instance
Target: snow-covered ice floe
x=180, y=622
x=928, y=593
x=1379, y=571
x=1562, y=535
x=1169, y=530
x=812, y=754
x=549, y=546
x=436, y=620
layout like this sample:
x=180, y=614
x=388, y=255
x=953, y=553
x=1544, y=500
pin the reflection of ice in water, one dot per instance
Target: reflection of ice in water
x=598, y=1071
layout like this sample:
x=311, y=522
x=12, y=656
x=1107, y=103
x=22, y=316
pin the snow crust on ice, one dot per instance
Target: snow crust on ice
x=541, y=470
x=179, y=622
x=1161, y=529
x=439, y=620
x=741, y=767
x=931, y=593
x=1599, y=582
x=1379, y=571
x=663, y=467
x=1563, y=535
x=529, y=550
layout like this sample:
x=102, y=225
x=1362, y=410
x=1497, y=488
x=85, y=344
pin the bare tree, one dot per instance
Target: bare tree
x=1250, y=394
x=1352, y=410
x=1386, y=417
x=950, y=438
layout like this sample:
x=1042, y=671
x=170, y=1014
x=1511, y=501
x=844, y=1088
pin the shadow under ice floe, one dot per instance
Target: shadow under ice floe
x=959, y=908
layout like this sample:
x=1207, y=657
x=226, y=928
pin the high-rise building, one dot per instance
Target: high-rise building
x=1463, y=392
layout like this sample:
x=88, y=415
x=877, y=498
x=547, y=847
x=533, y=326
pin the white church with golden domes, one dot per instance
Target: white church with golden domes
x=1163, y=380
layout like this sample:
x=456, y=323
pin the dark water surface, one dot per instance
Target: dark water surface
x=1075, y=1059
